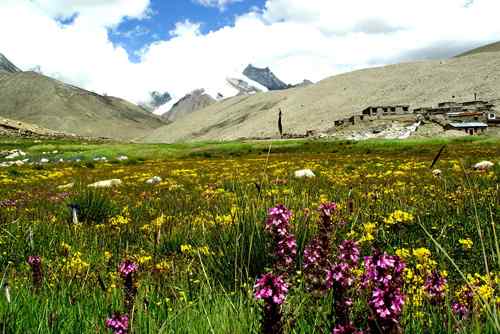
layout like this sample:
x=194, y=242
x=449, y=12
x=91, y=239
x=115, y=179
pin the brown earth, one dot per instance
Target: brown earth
x=316, y=107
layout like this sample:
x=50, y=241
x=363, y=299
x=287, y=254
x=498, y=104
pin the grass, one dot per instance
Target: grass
x=198, y=264
x=89, y=150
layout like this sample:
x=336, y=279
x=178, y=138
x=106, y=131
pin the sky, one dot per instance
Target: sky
x=129, y=48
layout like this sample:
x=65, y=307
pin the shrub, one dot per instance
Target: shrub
x=93, y=206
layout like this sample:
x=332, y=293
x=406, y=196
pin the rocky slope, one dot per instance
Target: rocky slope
x=37, y=99
x=11, y=128
x=190, y=103
x=265, y=77
x=317, y=106
x=7, y=66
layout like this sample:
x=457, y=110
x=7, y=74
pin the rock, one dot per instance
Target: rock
x=483, y=165
x=437, y=172
x=265, y=77
x=65, y=186
x=44, y=160
x=18, y=163
x=14, y=154
x=154, y=180
x=122, y=158
x=104, y=159
x=299, y=174
x=106, y=183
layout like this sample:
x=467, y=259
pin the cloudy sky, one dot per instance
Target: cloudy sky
x=129, y=48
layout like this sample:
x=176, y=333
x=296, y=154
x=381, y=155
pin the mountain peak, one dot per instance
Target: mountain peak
x=265, y=77
x=7, y=66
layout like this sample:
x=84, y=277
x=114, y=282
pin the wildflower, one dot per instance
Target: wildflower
x=118, y=323
x=326, y=211
x=158, y=222
x=75, y=266
x=435, y=286
x=399, y=217
x=278, y=219
x=186, y=249
x=36, y=268
x=466, y=243
x=485, y=292
x=383, y=276
x=285, y=245
x=126, y=269
x=368, y=230
x=317, y=267
x=286, y=250
x=341, y=278
x=421, y=254
x=346, y=329
x=272, y=290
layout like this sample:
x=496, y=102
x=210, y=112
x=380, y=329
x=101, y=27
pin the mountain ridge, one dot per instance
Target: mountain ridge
x=37, y=99
x=316, y=107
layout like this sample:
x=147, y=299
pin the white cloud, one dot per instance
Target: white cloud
x=186, y=28
x=221, y=4
x=297, y=39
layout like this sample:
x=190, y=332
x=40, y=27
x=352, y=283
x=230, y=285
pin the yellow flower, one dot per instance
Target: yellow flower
x=403, y=253
x=144, y=259
x=118, y=221
x=466, y=243
x=186, y=249
x=485, y=292
x=399, y=216
x=75, y=266
x=158, y=222
x=422, y=254
x=162, y=266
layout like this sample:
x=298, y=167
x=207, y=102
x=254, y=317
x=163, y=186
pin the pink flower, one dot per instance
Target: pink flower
x=127, y=268
x=271, y=288
x=118, y=324
x=34, y=261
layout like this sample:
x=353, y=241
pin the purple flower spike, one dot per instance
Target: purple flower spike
x=271, y=289
x=34, y=261
x=127, y=268
x=118, y=324
x=435, y=286
x=278, y=219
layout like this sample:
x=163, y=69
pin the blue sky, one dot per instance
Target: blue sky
x=135, y=34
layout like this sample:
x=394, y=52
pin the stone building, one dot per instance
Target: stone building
x=386, y=110
x=471, y=128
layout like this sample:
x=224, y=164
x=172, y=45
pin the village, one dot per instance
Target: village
x=472, y=117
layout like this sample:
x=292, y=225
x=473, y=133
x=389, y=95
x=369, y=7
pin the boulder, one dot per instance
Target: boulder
x=122, y=158
x=106, y=183
x=154, y=180
x=65, y=186
x=14, y=154
x=304, y=173
x=437, y=172
x=483, y=165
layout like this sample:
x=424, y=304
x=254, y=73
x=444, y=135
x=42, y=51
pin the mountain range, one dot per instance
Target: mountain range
x=316, y=107
x=258, y=97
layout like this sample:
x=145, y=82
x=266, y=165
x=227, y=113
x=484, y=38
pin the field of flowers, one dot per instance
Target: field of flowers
x=375, y=243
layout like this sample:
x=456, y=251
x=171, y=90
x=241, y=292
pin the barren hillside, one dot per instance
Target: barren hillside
x=37, y=99
x=316, y=107
x=493, y=47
